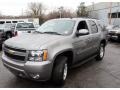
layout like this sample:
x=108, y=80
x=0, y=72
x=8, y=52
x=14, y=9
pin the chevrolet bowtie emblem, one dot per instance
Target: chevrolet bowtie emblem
x=11, y=51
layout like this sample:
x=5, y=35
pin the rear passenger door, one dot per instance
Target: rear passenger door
x=94, y=35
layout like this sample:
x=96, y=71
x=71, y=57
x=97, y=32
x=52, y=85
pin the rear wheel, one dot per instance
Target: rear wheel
x=101, y=52
x=60, y=70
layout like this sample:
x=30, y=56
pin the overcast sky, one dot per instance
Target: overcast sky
x=15, y=7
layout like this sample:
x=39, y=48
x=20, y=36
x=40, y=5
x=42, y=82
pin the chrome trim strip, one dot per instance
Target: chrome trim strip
x=25, y=54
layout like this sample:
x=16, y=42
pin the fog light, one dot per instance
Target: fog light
x=35, y=76
x=21, y=75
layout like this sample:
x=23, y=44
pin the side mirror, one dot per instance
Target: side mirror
x=82, y=32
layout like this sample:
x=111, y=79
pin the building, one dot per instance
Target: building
x=15, y=20
x=104, y=10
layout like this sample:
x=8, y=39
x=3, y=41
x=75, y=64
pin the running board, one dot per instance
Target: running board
x=82, y=62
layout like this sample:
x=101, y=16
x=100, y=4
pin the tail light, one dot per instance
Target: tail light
x=15, y=33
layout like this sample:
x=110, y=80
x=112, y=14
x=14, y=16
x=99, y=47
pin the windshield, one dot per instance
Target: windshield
x=63, y=27
x=116, y=27
x=25, y=25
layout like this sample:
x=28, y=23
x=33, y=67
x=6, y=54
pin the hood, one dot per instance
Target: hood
x=31, y=41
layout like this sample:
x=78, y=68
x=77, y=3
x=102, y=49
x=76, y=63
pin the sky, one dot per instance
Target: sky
x=17, y=7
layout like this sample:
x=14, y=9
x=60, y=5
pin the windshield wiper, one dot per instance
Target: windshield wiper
x=53, y=33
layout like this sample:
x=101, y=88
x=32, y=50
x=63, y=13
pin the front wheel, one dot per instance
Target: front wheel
x=60, y=70
x=101, y=52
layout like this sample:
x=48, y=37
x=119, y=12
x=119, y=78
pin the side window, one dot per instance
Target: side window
x=82, y=25
x=93, y=26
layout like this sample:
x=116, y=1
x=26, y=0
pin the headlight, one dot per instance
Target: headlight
x=38, y=55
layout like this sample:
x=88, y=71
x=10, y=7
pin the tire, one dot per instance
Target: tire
x=0, y=47
x=101, y=52
x=60, y=70
x=8, y=35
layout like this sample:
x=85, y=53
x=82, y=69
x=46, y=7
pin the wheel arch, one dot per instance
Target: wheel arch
x=68, y=53
x=8, y=32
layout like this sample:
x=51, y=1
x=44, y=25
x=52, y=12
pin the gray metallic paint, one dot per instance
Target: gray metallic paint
x=81, y=47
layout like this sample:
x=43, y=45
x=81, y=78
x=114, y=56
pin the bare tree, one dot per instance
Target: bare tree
x=68, y=14
x=36, y=10
x=52, y=15
x=64, y=13
x=81, y=11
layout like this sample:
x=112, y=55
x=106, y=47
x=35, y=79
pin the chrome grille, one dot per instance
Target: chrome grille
x=16, y=57
x=15, y=53
x=19, y=50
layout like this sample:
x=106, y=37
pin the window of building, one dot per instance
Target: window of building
x=8, y=21
x=118, y=14
x=2, y=22
x=14, y=21
x=114, y=15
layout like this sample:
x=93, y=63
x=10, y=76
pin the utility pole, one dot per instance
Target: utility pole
x=93, y=10
x=22, y=11
x=110, y=13
x=93, y=5
x=118, y=9
x=60, y=11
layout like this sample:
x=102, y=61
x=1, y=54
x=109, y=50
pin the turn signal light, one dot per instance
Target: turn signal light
x=45, y=55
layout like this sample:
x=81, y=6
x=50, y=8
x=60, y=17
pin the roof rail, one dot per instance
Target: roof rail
x=88, y=17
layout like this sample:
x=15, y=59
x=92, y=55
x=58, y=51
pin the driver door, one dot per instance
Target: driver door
x=82, y=43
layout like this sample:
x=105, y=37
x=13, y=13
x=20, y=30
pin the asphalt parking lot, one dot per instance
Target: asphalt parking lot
x=105, y=73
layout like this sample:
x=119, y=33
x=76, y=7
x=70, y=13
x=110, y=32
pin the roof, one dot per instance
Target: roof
x=76, y=19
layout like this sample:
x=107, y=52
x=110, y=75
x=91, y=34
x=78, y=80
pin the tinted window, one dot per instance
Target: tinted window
x=82, y=25
x=93, y=26
x=25, y=25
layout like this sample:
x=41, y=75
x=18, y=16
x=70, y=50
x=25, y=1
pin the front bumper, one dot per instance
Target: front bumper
x=114, y=34
x=26, y=70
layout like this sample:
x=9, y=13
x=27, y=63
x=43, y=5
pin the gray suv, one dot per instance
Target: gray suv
x=56, y=46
